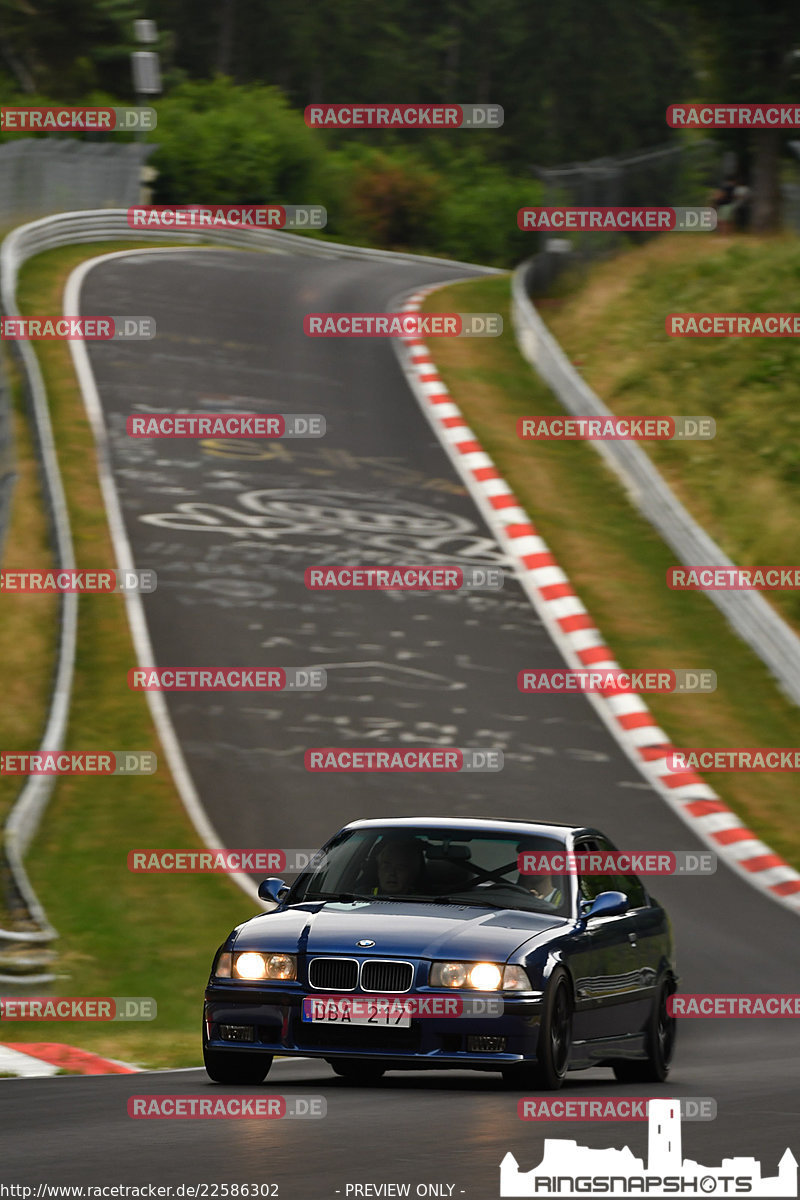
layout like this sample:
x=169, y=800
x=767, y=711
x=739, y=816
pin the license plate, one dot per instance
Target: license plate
x=358, y=1010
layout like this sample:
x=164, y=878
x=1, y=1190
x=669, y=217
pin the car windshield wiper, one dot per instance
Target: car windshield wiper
x=467, y=903
x=342, y=897
x=351, y=897
x=490, y=904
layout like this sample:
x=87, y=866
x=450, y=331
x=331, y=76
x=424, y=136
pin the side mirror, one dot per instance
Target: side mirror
x=273, y=889
x=608, y=904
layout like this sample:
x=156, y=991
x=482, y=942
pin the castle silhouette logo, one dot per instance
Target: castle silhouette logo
x=568, y=1169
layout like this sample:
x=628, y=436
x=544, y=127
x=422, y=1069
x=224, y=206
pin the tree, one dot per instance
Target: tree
x=749, y=52
x=67, y=48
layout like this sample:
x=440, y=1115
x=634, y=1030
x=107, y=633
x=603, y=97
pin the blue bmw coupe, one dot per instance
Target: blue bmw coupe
x=419, y=943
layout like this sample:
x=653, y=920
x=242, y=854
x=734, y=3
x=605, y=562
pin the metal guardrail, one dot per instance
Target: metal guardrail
x=7, y=470
x=111, y=224
x=23, y=820
x=23, y=243
x=756, y=622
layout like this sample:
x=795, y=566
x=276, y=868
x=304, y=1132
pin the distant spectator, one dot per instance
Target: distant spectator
x=732, y=202
x=723, y=201
x=741, y=205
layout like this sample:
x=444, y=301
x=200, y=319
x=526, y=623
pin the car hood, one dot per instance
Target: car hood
x=398, y=928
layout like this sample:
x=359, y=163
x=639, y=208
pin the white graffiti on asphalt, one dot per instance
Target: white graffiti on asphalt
x=371, y=526
x=382, y=672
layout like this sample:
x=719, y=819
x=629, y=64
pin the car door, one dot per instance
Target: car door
x=652, y=940
x=609, y=988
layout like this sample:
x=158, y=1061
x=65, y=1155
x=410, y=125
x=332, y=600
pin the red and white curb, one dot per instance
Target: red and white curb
x=37, y=1059
x=580, y=642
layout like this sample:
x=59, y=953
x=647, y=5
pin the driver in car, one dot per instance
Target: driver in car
x=401, y=867
x=543, y=888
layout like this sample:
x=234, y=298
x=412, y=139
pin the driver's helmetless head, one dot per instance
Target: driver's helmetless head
x=399, y=866
x=540, y=885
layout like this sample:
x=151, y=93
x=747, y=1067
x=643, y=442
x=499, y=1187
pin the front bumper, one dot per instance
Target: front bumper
x=274, y=1014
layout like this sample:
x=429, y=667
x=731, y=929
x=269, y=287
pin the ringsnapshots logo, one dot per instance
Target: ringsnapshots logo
x=222, y=861
x=50, y=119
x=227, y=425
x=226, y=1108
x=74, y=762
x=78, y=1008
x=568, y=1169
x=228, y=216
x=616, y=218
x=227, y=679
x=542, y=863
x=402, y=325
x=403, y=116
x=402, y=579
x=616, y=429
x=331, y=758
x=614, y=681
x=85, y=583
x=728, y=324
x=77, y=329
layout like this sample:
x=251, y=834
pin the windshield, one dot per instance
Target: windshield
x=419, y=863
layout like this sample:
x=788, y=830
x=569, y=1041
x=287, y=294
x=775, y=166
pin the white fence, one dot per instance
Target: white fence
x=46, y=175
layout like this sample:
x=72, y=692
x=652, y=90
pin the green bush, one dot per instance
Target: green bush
x=386, y=198
x=432, y=200
x=479, y=217
x=220, y=143
x=223, y=144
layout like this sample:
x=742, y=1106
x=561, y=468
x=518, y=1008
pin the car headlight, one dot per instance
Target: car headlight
x=250, y=965
x=479, y=976
x=281, y=966
x=452, y=975
x=486, y=977
x=515, y=979
x=482, y=977
x=224, y=965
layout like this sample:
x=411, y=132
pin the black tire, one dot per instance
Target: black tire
x=660, y=1042
x=354, y=1070
x=555, y=1041
x=235, y=1066
x=229, y=1066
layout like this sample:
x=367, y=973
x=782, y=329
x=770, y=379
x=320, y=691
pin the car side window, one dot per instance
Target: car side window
x=634, y=890
x=629, y=884
x=592, y=885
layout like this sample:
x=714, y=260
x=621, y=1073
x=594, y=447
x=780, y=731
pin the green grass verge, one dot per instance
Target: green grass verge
x=121, y=934
x=744, y=486
x=27, y=630
x=617, y=564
